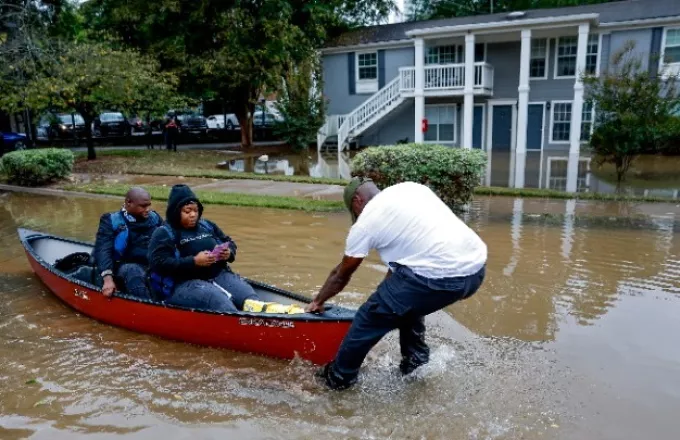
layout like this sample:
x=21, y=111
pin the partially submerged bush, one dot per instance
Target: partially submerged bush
x=452, y=173
x=37, y=167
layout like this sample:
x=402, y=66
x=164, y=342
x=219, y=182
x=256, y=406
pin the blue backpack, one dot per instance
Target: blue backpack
x=121, y=231
x=166, y=285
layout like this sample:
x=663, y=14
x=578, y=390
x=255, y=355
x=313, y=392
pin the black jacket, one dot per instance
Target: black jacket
x=140, y=233
x=189, y=242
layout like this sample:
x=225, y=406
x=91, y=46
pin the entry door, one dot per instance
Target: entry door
x=477, y=123
x=535, y=127
x=501, y=132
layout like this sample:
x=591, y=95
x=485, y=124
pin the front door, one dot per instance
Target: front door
x=501, y=132
x=477, y=122
x=535, y=127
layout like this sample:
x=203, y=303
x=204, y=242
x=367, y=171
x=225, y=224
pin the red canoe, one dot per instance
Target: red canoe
x=309, y=336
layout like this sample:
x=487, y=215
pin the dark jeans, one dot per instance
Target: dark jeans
x=131, y=279
x=400, y=302
x=202, y=294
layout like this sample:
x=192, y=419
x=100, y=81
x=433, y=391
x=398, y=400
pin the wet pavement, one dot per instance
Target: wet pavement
x=573, y=336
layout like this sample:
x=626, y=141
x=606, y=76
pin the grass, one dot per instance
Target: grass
x=202, y=164
x=218, y=198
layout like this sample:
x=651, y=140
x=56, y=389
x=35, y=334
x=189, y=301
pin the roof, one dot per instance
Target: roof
x=611, y=12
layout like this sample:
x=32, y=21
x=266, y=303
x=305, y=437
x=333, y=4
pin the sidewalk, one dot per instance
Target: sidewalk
x=182, y=147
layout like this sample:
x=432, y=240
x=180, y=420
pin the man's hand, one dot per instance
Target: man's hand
x=225, y=253
x=204, y=259
x=314, y=307
x=109, y=286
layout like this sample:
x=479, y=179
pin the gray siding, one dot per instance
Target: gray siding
x=504, y=57
x=605, y=53
x=336, y=78
x=642, y=39
x=396, y=126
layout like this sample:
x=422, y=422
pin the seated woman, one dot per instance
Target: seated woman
x=181, y=250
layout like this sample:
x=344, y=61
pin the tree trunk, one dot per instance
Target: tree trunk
x=244, y=113
x=91, y=153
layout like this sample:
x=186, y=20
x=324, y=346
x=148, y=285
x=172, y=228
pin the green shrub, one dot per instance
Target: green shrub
x=37, y=167
x=452, y=173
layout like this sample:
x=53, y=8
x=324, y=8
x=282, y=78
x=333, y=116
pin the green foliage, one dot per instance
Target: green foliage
x=452, y=173
x=634, y=111
x=37, y=167
x=302, y=108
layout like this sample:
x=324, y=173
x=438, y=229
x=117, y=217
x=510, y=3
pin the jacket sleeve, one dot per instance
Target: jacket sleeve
x=162, y=258
x=225, y=238
x=104, y=244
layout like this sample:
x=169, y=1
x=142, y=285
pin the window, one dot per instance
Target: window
x=368, y=66
x=558, y=171
x=441, y=123
x=671, y=48
x=561, y=122
x=538, y=64
x=591, y=54
x=587, y=119
x=565, y=64
x=444, y=55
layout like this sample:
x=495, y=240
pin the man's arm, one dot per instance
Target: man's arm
x=337, y=280
x=103, y=254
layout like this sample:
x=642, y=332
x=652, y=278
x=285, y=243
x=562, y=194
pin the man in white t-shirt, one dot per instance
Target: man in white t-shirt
x=434, y=260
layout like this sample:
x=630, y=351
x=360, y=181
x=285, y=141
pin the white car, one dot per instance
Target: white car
x=216, y=122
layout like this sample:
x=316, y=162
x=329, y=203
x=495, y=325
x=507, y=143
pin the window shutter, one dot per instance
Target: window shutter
x=655, y=51
x=381, y=69
x=351, y=73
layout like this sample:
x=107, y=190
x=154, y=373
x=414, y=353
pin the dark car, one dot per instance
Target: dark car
x=60, y=126
x=193, y=124
x=111, y=124
x=11, y=141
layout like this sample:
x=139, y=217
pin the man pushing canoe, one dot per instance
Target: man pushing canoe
x=433, y=258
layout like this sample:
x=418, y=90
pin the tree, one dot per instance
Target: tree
x=301, y=104
x=635, y=110
x=89, y=78
x=433, y=9
x=232, y=50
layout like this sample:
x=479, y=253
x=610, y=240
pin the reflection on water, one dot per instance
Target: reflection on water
x=575, y=325
x=533, y=169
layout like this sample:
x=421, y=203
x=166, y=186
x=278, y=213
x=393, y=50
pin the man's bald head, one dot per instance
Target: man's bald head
x=138, y=202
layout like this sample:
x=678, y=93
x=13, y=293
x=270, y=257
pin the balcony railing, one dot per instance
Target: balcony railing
x=447, y=77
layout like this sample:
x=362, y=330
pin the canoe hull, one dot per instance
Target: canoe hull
x=277, y=336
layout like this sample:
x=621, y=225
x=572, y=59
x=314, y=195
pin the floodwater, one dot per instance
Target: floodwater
x=652, y=176
x=572, y=336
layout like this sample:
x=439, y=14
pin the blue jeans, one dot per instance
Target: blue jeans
x=131, y=279
x=203, y=294
x=401, y=302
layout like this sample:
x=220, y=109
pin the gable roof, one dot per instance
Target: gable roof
x=612, y=12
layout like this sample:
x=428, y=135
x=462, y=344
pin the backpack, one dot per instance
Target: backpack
x=165, y=285
x=121, y=231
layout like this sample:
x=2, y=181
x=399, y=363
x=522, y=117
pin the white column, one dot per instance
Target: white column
x=522, y=108
x=577, y=108
x=469, y=97
x=419, y=86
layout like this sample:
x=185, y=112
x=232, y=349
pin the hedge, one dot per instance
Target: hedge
x=452, y=173
x=37, y=167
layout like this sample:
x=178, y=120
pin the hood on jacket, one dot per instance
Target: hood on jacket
x=180, y=196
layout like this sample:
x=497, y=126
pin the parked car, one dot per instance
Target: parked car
x=60, y=126
x=216, y=122
x=138, y=125
x=193, y=124
x=111, y=124
x=11, y=141
x=270, y=119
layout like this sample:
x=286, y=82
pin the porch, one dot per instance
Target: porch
x=447, y=80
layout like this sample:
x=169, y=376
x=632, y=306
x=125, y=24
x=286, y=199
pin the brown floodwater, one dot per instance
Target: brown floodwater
x=572, y=336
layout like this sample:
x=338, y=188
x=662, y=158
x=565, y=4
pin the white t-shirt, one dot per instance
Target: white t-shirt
x=408, y=224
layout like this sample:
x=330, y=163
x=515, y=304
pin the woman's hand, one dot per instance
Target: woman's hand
x=204, y=259
x=225, y=253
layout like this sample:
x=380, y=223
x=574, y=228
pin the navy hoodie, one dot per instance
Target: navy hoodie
x=189, y=242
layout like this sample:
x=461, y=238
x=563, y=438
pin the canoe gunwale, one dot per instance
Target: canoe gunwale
x=343, y=314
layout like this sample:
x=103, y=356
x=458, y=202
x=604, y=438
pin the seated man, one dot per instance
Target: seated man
x=122, y=245
x=434, y=260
